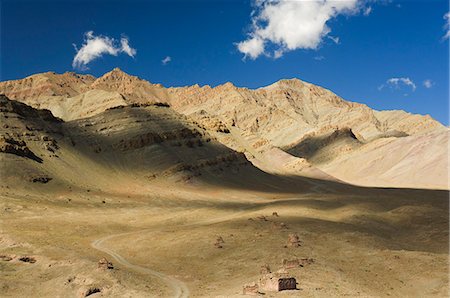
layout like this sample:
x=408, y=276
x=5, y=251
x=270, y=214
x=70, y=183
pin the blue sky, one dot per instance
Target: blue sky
x=397, y=40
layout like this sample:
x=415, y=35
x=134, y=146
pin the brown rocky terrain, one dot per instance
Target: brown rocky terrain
x=116, y=187
x=290, y=127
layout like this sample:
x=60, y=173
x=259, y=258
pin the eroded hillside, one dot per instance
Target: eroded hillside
x=128, y=189
x=288, y=128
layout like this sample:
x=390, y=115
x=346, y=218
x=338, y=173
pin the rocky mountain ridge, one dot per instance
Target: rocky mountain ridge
x=290, y=127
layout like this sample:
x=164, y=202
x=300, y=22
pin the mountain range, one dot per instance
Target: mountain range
x=288, y=129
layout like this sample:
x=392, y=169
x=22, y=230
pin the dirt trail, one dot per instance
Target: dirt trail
x=178, y=287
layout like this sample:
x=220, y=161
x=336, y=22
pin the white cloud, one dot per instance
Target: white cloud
x=292, y=24
x=126, y=47
x=397, y=82
x=252, y=47
x=368, y=11
x=96, y=46
x=319, y=58
x=335, y=39
x=447, y=25
x=428, y=83
x=166, y=60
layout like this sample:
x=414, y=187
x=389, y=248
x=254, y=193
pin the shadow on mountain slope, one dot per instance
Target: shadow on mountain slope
x=146, y=145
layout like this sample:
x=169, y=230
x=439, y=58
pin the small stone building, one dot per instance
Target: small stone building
x=276, y=282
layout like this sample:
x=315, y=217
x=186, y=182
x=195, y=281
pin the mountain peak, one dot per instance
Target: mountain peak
x=228, y=85
x=290, y=83
x=117, y=72
x=113, y=76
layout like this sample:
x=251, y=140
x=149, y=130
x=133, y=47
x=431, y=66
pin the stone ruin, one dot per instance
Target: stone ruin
x=104, y=264
x=282, y=271
x=275, y=282
x=279, y=225
x=219, y=242
x=287, y=284
x=295, y=263
x=289, y=264
x=271, y=282
x=251, y=289
x=306, y=261
x=293, y=240
x=265, y=269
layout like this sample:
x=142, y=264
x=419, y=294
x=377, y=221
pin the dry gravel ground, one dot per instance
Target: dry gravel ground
x=372, y=242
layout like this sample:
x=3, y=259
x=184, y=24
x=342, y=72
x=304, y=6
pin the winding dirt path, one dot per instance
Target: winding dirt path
x=179, y=288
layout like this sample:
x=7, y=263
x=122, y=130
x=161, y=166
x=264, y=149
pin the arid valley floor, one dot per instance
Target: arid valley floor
x=188, y=196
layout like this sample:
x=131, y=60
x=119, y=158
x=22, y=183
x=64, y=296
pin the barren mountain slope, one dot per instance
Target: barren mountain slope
x=290, y=127
x=132, y=88
x=39, y=88
x=416, y=161
x=137, y=146
x=281, y=112
x=320, y=148
x=318, y=127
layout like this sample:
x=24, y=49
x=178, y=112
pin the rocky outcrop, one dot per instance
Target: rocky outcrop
x=185, y=135
x=17, y=147
x=210, y=123
x=16, y=108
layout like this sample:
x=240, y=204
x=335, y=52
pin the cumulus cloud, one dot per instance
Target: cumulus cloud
x=252, y=47
x=396, y=83
x=428, y=83
x=96, y=46
x=319, y=58
x=166, y=60
x=279, y=26
x=447, y=25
